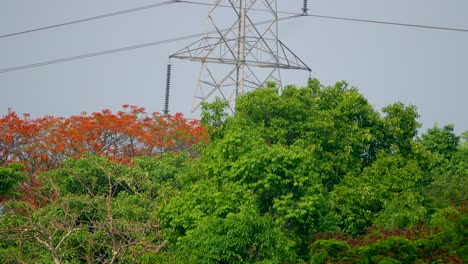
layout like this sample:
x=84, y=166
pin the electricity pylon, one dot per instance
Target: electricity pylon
x=241, y=57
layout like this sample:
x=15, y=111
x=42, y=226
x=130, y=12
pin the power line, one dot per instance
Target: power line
x=119, y=13
x=388, y=23
x=344, y=18
x=128, y=48
x=207, y=4
x=149, y=44
x=228, y=6
x=95, y=54
x=90, y=18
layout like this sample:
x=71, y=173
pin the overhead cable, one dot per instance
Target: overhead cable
x=388, y=23
x=90, y=18
x=128, y=48
x=208, y=4
x=341, y=18
x=229, y=6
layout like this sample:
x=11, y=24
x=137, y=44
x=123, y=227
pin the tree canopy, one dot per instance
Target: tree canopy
x=303, y=174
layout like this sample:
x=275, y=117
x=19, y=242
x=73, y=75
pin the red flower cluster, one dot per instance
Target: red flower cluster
x=44, y=143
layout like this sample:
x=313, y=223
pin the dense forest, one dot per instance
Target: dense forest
x=309, y=174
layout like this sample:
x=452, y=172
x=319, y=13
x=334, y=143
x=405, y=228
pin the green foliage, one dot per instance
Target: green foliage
x=336, y=120
x=91, y=210
x=214, y=115
x=198, y=201
x=157, y=177
x=464, y=140
x=454, y=230
x=306, y=174
x=307, y=150
x=391, y=250
x=441, y=140
x=83, y=176
x=400, y=126
x=447, y=189
x=448, y=170
x=403, y=210
x=11, y=177
x=394, y=249
x=283, y=179
x=164, y=168
x=242, y=237
x=389, y=188
x=330, y=251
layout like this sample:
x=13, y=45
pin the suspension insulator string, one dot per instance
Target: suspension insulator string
x=168, y=87
x=310, y=77
x=305, y=9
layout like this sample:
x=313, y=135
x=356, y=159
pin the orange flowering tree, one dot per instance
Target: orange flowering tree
x=44, y=143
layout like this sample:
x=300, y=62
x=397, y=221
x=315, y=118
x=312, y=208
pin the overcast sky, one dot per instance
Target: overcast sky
x=424, y=67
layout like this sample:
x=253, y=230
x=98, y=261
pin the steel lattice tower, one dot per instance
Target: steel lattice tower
x=241, y=57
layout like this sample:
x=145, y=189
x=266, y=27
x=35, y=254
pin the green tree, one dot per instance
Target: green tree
x=448, y=167
x=288, y=149
x=386, y=193
x=330, y=251
x=11, y=176
x=91, y=210
x=245, y=236
x=337, y=121
x=401, y=126
x=441, y=141
x=197, y=201
x=214, y=115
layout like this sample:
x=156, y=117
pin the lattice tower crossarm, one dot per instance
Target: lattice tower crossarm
x=241, y=57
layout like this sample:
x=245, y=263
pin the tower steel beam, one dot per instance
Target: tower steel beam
x=241, y=58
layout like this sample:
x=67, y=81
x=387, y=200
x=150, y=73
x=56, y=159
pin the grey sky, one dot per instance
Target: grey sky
x=428, y=68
